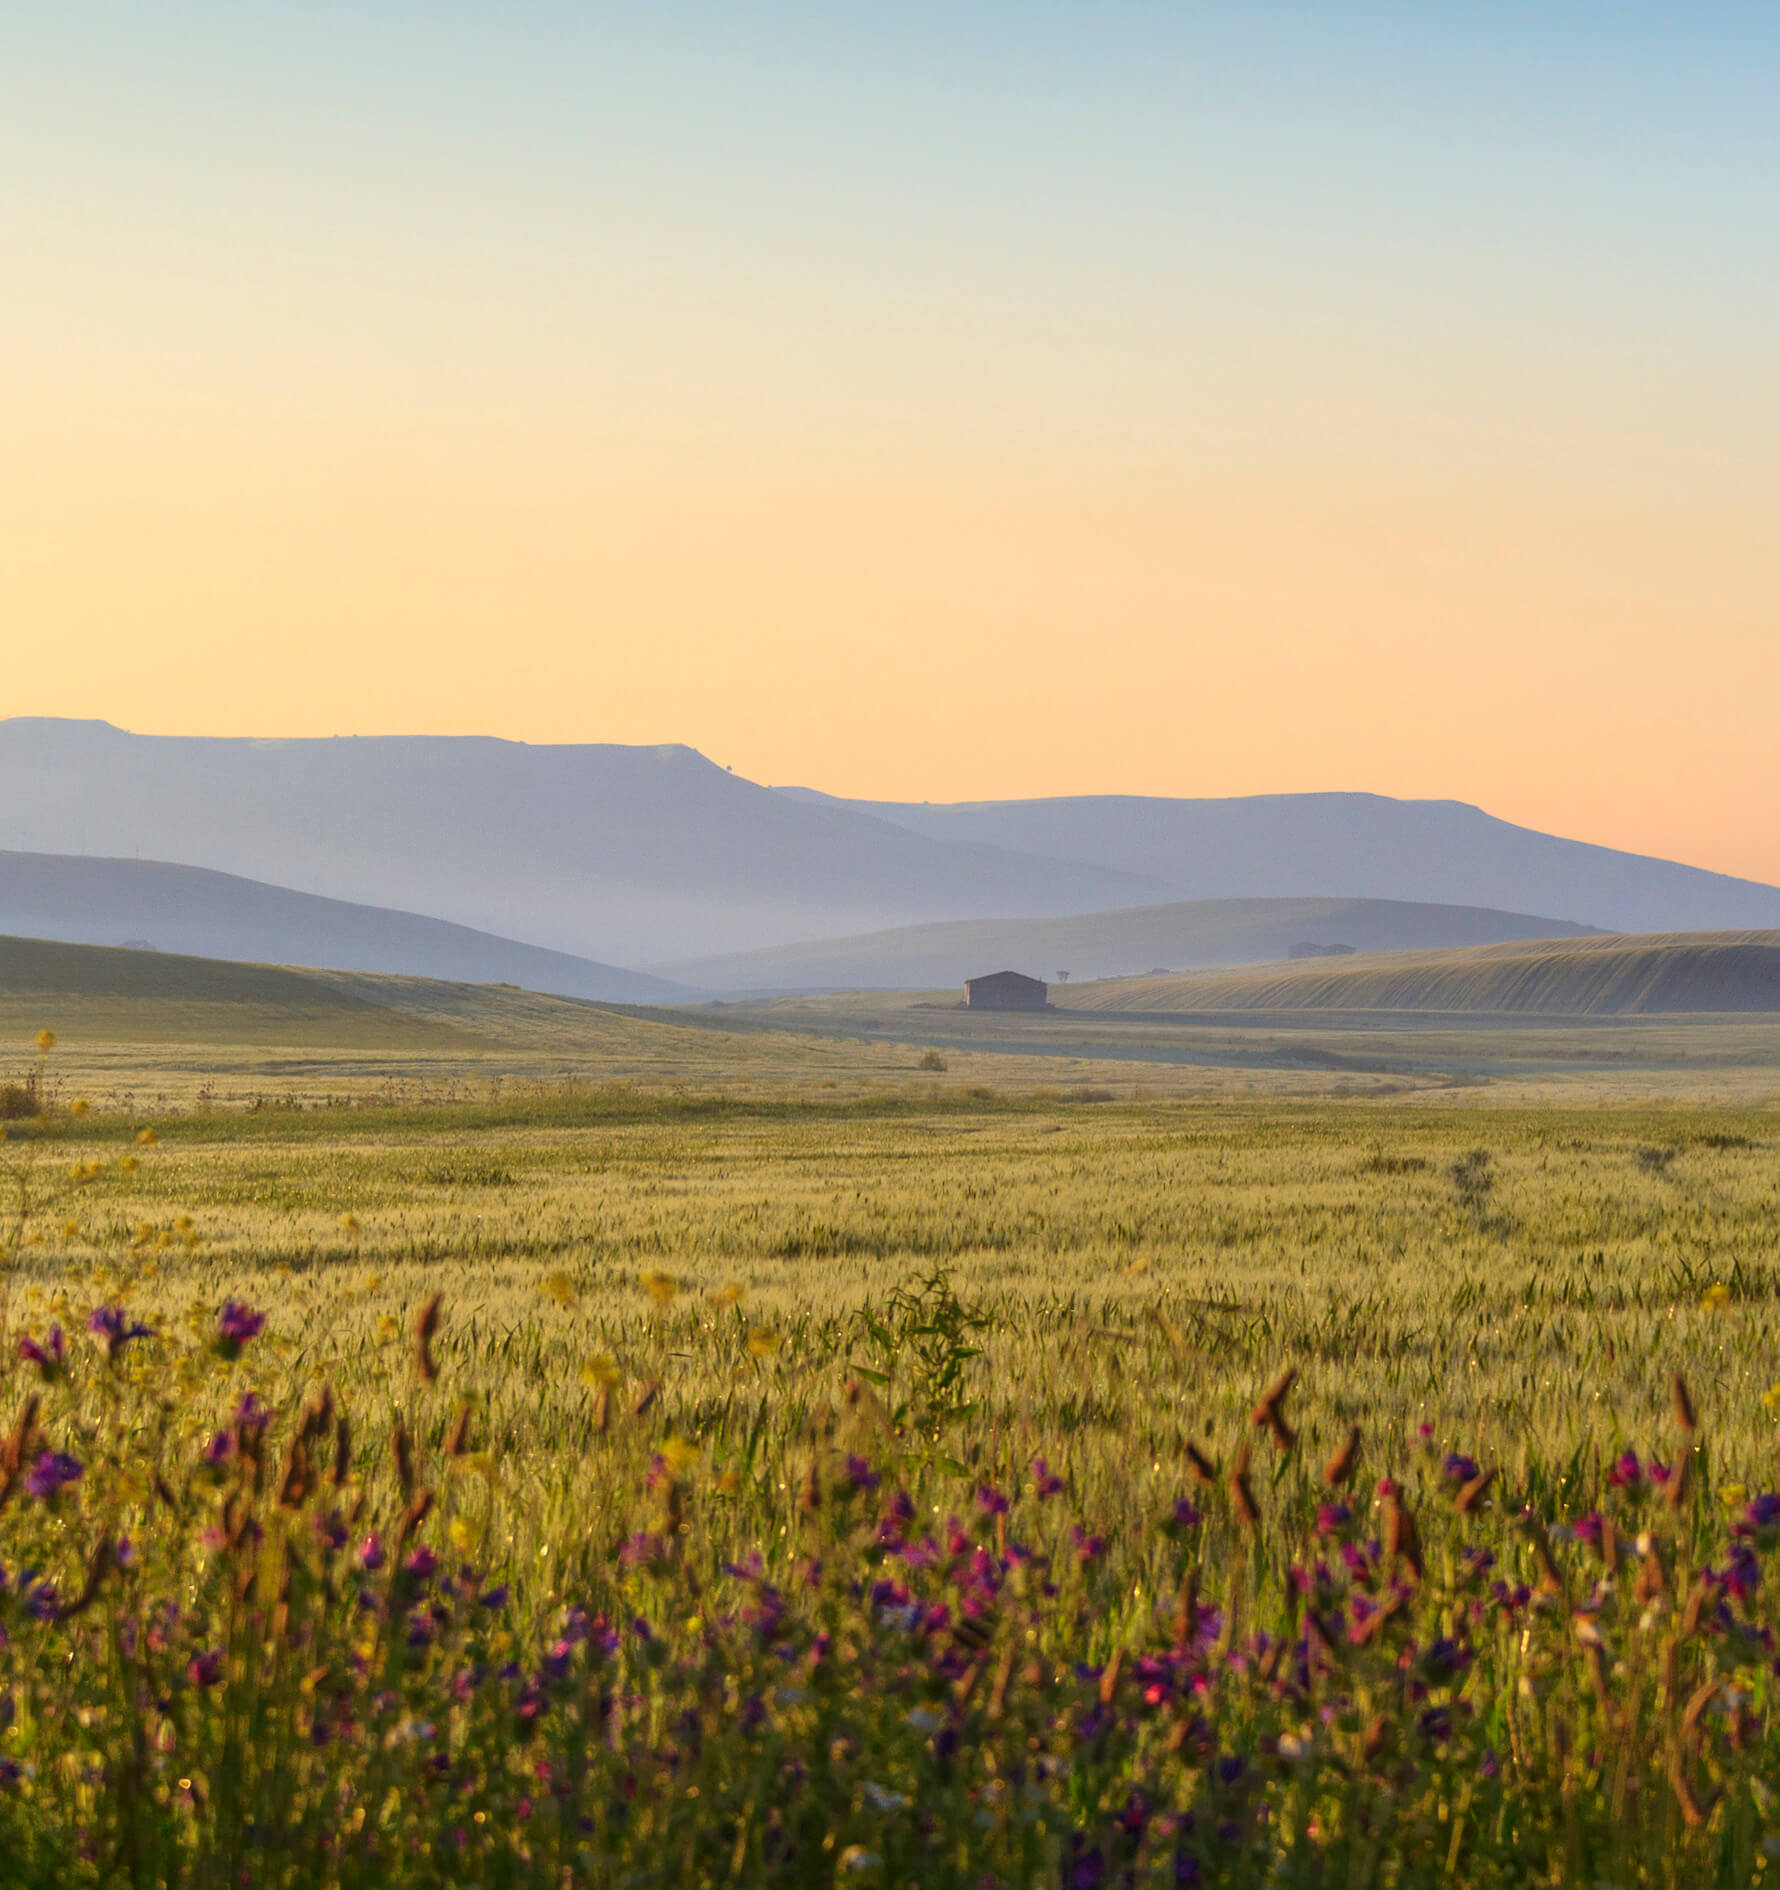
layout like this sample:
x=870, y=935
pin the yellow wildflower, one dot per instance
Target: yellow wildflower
x=46, y=1041
x=600, y=1373
x=728, y=1294
x=1732, y=1495
x=463, y=1534
x=129, y=1164
x=80, y=1107
x=349, y=1226
x=1771, y=1398
x=679, y=1456
x=1716, y=1295
x=663, y=1288
x=146, y=1138
x=388, y=1328
x=763, y=1342
x=558, y=1287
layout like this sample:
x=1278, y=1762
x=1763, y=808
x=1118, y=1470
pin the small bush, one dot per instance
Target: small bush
x=931, y=1060
x=1654, y=1161
x=1380, y=1163
x=1471, y=1179
x=19, y=1101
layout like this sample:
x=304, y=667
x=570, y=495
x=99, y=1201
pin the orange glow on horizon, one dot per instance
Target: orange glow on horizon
x=1590, y=662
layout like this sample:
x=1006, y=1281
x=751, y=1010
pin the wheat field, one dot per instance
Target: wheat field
x=636, y=1484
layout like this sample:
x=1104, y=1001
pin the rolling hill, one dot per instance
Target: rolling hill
x=1347, y=846
x=1612, y=976
x=618, y=854
x=220, y=915
x=1108, y=944
x=633, y=855
x=93, y=994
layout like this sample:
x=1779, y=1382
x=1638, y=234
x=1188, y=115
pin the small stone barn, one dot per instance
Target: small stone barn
x=1006, y=991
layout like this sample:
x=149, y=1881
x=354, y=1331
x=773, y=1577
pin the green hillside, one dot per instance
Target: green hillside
x=1613, y=976
x=100, y=993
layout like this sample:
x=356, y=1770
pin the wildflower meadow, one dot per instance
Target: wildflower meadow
x=615, y=1490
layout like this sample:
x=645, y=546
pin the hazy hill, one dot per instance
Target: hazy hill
x=619, y=854
x=1108, y=944
x=1345, y=846
x=1608, y=976
x=631, y=855
x=97, y=994
x=219, y=915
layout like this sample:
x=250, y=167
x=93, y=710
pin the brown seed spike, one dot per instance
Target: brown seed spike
x=1702, y=1698
x=459, y=1440
x=404, y=1450
x=1269, y=1414
x=19, y=1443
x=1340, y=1467
x=1202, y=1467
x=342, y=1449
x=1684, y=1411
x=1474, y=1492
x=809, y=1497
x=1400, y=1537
x=1242, y=1492
x=1679, y=1483
x=1693, y=1812
x=426, y=1325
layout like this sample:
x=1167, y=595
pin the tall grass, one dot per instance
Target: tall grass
x=891, y=1495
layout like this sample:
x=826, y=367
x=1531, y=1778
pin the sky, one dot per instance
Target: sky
x=920, y=402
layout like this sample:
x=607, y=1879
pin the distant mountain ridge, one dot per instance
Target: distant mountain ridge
x=1181, y=936
x=618, y=854
x=203, y=914
x=1347, y=846
x=639, y=855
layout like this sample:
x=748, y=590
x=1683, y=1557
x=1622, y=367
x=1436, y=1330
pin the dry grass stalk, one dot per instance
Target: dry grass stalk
x=426, y=1326
x=1340, y=1468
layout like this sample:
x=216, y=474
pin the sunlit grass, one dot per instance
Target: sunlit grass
x=832, y=1463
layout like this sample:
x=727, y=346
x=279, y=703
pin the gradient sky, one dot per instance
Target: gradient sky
x=921, y=401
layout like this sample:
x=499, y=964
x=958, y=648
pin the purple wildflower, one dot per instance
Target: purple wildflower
x=53, y=1471
x=1627, y=1473
x=114, y=1326
x=236, y=1324
x=1458, y=1468
x=1043, y=1480
x=991, y=1501
x=206, y=1669
x=370, y=1554
x=644, y=1549
x=47, y=1357
x=860, y=1474
x=1588, y=1529
x=1182, y=1517
x=1763, y=1511
x=1087, y=1548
